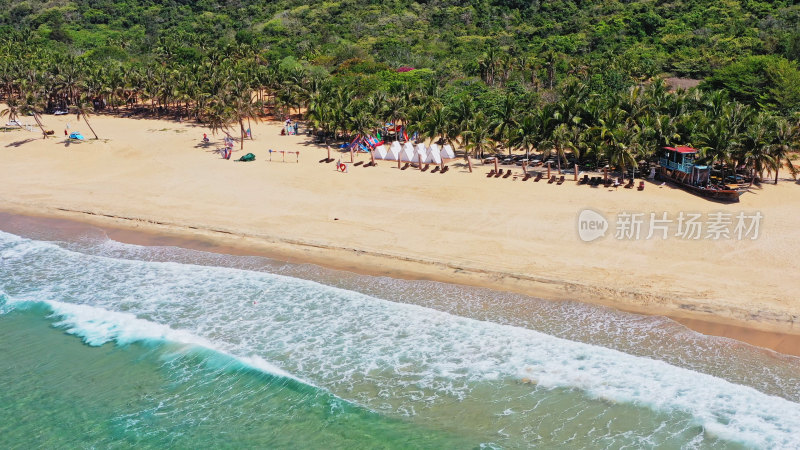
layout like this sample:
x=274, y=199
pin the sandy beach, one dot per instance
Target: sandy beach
x=157, y=176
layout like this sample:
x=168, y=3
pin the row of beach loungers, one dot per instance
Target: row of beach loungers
x=425, y=167
x=597, y=181
x=538, y=177
x=593, y=181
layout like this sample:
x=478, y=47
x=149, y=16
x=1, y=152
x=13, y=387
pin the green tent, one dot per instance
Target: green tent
x=248, y=157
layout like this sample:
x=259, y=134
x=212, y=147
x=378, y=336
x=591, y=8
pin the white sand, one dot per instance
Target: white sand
x=458, y=227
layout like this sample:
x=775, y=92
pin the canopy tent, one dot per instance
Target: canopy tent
x=433, y=156
x=394, y=152
x=407, y=154
x=447, y=152
x=380, y=152
x=420, y=150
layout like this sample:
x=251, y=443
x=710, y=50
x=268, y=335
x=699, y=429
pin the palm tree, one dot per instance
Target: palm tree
x=560, y=139
x=477, y=138
x=242, y=107
x=752, y=145
x=417, y=115
x=435, y=125
x=719, y=137
x=620, y=153
x=319, y=114
x=34, y=105
x=786, y=137
x=528, y=134
x=83, y=108
x=505, y=120
x=394, y=110
x=217, y=116
x=462, y=111
x=550, y=59
x=362, y=123
x=12, y=110
x=570, y=106
x=488, y=65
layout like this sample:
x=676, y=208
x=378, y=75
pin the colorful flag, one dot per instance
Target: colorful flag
x=405, y=135
x=373, y=142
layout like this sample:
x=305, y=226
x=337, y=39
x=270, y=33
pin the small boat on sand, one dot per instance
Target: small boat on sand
x=677, y=166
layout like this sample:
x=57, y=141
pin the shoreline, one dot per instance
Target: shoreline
x=460, y=228
x=765, y=333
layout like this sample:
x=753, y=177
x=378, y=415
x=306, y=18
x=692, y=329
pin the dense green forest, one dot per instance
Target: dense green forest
x=614, y=40
x=564, y=77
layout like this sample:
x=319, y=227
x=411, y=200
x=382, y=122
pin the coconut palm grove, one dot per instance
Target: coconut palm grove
x=597, y=82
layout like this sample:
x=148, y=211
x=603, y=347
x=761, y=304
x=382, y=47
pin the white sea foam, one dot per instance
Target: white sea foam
x=97, y=326
x=404, y=356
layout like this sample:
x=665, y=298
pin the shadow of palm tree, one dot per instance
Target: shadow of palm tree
x=203, y=144
x=19, y=143
x=68, y=142
x=221, y=151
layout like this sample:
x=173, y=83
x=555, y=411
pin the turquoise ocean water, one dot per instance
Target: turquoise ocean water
x=104, y=344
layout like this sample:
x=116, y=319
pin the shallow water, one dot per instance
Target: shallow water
x=187, y=348
x=60, y=393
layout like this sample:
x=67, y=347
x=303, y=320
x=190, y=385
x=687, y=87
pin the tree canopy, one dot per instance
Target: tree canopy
x=578, y=78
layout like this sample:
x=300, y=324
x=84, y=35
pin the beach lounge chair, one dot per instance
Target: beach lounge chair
x=435, y=169
x=584, y=180
x=499, y=173
x=426, y=167
x=561, y=180
x=641, y=186
x=551, y=180
x=508, y=173
x=490, y=174
x=525, y=178
x=607, y=183
x=538, y=177
x=405, y=166
x=444, y=169
x=629, y=185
